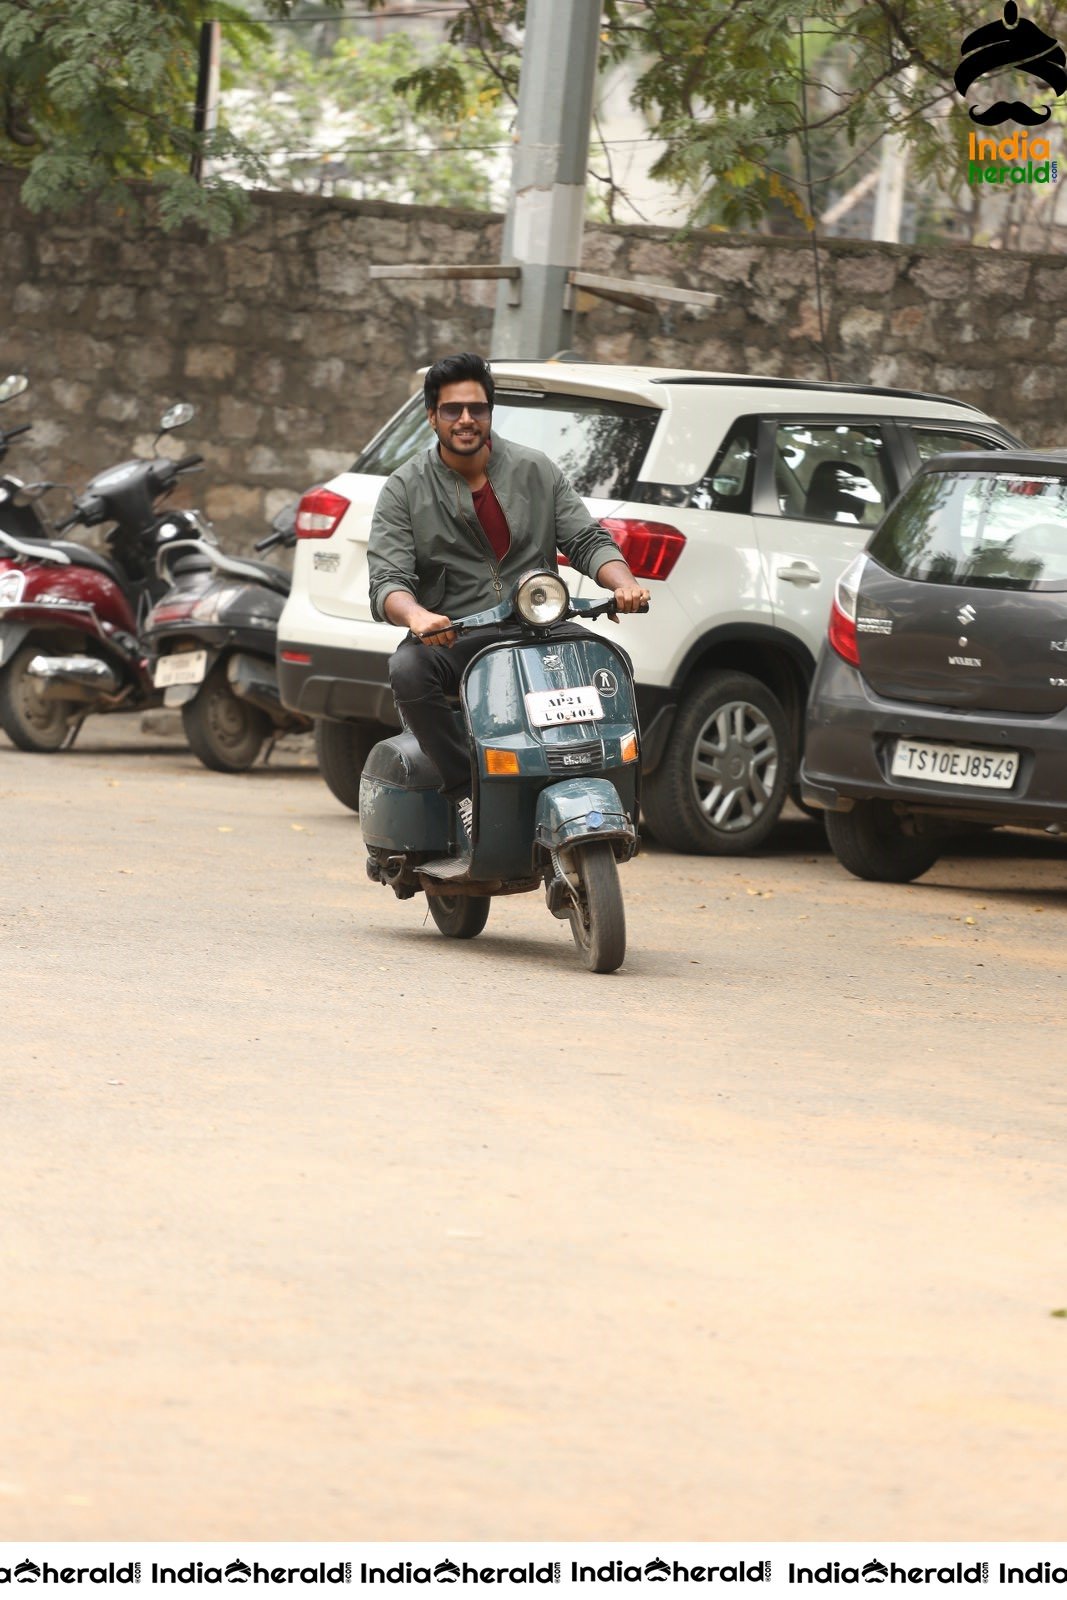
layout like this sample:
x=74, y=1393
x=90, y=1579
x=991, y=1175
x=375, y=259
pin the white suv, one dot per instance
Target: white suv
x=739, y=499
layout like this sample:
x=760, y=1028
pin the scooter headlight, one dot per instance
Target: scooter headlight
x=541, y=598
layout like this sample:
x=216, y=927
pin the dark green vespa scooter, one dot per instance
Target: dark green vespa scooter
x=552, y=729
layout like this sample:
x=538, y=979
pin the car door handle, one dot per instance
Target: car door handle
x=800, y=572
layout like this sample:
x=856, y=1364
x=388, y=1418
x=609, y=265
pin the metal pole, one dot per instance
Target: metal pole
x=546, y=210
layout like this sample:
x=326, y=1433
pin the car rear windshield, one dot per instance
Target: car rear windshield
x=992, y=531
x=598, y=444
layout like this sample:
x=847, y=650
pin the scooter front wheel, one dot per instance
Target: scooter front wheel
x=598, y=921
x=30, y=720
x=460, y=916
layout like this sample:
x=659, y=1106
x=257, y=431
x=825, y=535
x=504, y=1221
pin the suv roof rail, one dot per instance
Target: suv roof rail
x=763, y=382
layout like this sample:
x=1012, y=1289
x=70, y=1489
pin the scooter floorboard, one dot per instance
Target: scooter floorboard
x=446, y=868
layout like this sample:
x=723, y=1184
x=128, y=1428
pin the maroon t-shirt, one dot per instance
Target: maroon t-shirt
x=492, y=519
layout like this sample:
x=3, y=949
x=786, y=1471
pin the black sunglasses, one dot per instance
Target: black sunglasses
x=452, y=410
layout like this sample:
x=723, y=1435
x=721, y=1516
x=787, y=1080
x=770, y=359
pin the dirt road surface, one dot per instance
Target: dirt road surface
x=316, y=1225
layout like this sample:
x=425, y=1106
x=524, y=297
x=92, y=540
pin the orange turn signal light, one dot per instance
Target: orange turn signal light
x=501, y=763
x=628, y=747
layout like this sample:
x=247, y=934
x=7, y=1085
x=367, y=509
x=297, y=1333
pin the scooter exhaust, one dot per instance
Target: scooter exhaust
x=72, y=677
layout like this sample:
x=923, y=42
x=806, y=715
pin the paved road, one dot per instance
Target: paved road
x=316, y=1225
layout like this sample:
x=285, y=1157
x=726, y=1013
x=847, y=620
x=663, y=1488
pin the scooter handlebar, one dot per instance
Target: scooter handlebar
x=269, y=542
x=187, y=463
x=606, y=608
x=13, y=433
x=68, y=522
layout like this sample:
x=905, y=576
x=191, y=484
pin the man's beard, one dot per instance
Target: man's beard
x=464, y=447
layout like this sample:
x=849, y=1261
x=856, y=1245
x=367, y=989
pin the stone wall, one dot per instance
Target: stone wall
x=293, y=357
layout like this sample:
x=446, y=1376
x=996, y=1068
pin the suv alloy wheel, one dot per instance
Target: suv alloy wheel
x=725, y=773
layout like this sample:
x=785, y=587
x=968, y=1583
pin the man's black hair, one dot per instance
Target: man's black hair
x=465, y=368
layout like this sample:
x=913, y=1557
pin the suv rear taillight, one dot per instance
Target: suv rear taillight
x=319, y=512
x=650, y=548
x=842, y=632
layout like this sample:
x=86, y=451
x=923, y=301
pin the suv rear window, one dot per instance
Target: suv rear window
x=991, y=531
x=599, y=444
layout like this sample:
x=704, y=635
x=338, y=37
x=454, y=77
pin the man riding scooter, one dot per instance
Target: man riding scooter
x=453, y=531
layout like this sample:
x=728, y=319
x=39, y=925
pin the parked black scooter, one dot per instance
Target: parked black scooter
x=213, y=634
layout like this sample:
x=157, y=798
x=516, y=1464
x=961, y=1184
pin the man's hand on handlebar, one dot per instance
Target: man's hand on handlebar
x=432, y=628
x=628, y=593
x=404, y=610
x=631, y=597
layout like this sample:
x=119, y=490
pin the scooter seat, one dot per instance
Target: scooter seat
x=400, y=761
x=85, y=557
x=246, y=567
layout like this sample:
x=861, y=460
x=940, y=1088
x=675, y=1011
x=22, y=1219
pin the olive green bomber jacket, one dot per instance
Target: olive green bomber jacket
x=426, y=540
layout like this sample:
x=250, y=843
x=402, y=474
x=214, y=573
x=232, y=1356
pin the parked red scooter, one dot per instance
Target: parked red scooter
x=70, y=617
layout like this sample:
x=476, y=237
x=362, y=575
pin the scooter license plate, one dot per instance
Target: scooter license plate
x=546, y=708
x=184, y=666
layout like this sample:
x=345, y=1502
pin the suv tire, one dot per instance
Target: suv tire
x=342, y=748
x=730, y=741
x=870, y=842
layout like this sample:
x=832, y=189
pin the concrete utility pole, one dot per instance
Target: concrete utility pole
x=889, y=201
x=540, y=264
x=892, y=171
x=543, y=231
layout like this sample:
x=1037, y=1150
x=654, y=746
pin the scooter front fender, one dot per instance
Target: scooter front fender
x=580, y=809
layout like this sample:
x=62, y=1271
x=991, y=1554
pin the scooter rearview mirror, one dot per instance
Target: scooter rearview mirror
x=16, y=383
x=176, y=416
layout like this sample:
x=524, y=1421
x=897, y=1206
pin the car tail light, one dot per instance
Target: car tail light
x=842, y=633
x=319, y=512
x=649, y=548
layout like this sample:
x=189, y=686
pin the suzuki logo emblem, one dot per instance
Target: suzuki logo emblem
x=966, y=614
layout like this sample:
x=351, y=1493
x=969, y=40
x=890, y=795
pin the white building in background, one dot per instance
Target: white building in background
x=631, y=150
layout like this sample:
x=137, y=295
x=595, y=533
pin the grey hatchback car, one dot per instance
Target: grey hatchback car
x=940, y=695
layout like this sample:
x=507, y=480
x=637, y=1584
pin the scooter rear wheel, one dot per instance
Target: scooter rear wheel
x=225, y=732
x=460, y=916
x=598, y=922
x=30, y=721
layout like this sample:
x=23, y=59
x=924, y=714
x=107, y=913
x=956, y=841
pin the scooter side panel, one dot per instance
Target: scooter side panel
x=494, y=690
x=81, y=586
x=400, y=808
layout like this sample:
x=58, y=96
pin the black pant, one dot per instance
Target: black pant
x=422, y=676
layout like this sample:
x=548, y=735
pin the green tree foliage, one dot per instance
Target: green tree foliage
x=746, y=93
x=764, y=108
x=97, y=93
x=372, y=119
